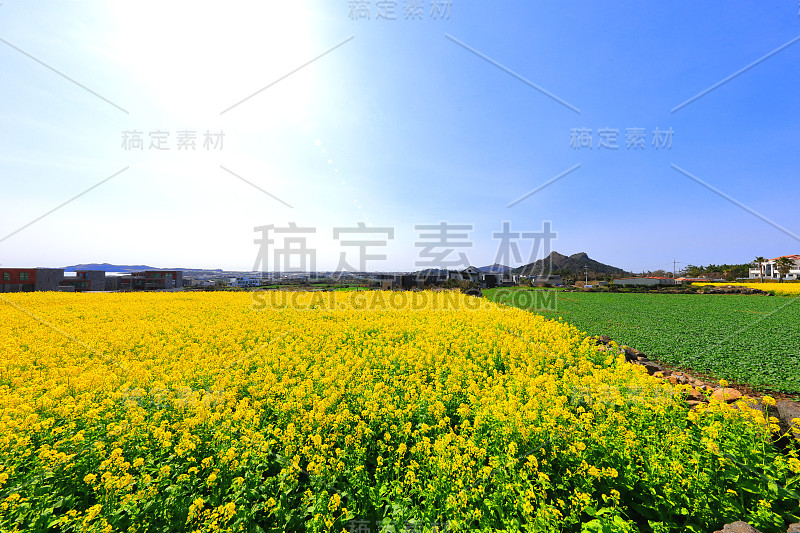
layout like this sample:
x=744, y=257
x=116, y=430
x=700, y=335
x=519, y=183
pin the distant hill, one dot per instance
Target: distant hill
x=574, y=263
x=432, y=272
x=495, y=268
x=106, y=267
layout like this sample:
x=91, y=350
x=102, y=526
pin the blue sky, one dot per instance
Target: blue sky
x=397, y=123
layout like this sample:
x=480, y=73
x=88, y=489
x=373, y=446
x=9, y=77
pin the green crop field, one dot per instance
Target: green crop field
x=748, y=339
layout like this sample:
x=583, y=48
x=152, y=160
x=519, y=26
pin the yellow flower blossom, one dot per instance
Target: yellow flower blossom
x=234, y=400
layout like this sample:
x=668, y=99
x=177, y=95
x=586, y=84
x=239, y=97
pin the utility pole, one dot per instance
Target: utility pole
x=673, y=267
x=586, y=273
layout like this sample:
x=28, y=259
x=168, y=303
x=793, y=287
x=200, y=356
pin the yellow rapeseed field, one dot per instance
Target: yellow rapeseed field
x=355, y=411
x=780, y=289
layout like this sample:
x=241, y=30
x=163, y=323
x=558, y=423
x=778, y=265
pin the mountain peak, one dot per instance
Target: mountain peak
x=580, y=255
x=573, y=263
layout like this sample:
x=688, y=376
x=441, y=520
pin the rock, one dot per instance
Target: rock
x=632, y=354
x=642, y=358
x=677, y=379
x=738, y=527
x=605, y=339
x=693, y=403
x=695, y=394
x=652, y=367
x=787, y=410
x=658, y=375
x=794, y=528
x=727, y=394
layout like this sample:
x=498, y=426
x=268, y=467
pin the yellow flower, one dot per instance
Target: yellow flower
x=222, y=386
x=92, y=513
x=334, y=502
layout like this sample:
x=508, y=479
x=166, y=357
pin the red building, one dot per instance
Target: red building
x=30, y=279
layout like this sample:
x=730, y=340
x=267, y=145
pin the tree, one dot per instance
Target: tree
x=738, y=271
x=759, y=262
x=784, y=265
x=693, y=271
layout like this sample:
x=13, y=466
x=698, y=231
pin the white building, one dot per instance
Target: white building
x=771, y=269
x=244, y=282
